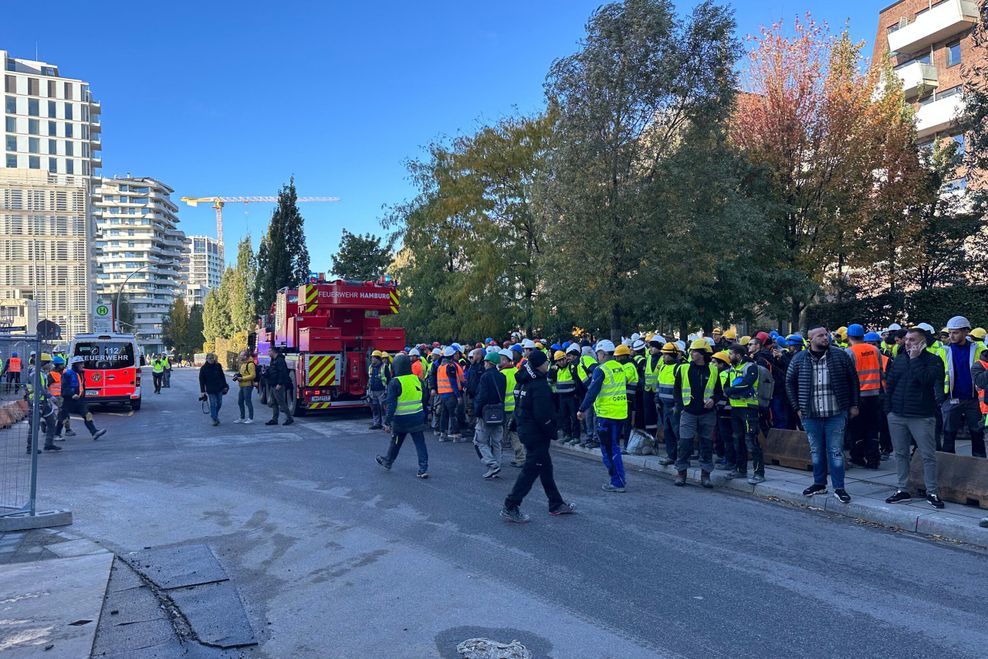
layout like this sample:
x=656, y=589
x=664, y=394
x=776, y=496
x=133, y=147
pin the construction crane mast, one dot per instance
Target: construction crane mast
x=219, y=202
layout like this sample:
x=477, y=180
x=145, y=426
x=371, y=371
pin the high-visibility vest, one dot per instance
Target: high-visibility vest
x=30, y=385
x=443, y=383
x=652, y=371
x=158, y=366
x=410, y=398
x=684, y=383
x=981, y=393
x=751, y=400
x=510, y=376
x=588, y=363
x=612, y=401
x=947, y=355
x=381, y=375
x=631, y=375
x=565, y=384
x=14, y=365
x=867, y=361
x=666, y=381
x=55, y=383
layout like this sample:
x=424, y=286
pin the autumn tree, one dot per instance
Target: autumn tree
x=360, y=257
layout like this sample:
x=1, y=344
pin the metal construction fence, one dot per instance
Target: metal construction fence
x=19, y=421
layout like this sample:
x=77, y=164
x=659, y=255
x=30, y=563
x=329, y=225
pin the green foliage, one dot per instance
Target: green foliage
x=240, y=288
x=361, y=257
x=194, y=334
x=125, y=313
x=877, y=311
x=216, y=312
x=282, y=259
x=937, y=305
x=175, y=326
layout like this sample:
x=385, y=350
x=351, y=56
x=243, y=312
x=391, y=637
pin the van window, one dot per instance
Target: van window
x=100, y=355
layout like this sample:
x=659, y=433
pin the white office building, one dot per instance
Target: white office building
x=140, y=251
x=51, y=154
x=205, y=268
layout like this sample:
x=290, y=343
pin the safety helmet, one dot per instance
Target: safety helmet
x=538, y=345
x=414, y=352
x=436, y=352
x=681, y=345
x=895, y=327
x=872, y=337
x=855, y=331
x=622, y=350
x=743, y=341
x=709, y=340
x=670, y=349
x=762, y=337
x=507, y=354
x=661, y=339
x=700, y=344
x=573, y=348
x=635, y=336
x=493, y=357
x=528, y=344
x=558, y=356
x=958, y=322
x=926, y=327
x=376, y=353
x=731, y=334
x=795, y=339
x=78, y=359
x=638, y=345
x=979, y=333
x=448, y=351
x=45, y=357
x=604, y=345
x=516, y=348
x=717, y=330
x=723, y=356
x=841, y=331
x=58, y=360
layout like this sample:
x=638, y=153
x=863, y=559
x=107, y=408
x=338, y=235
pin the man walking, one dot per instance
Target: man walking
x=246, y=377
x=822, y=386
x=914, y=392
x=405, y=415
x=607, y=395
x=536, y=421
x=279, y=377
x=488, y=435
x=212, y=386
x=72, y=401
x=157, y=372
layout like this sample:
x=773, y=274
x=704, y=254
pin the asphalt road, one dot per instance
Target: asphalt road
x=335, y=557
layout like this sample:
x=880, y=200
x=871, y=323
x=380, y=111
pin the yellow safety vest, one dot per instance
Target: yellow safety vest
x=410, y=398
x=947, y=356
x=652, y=374
x=666, y=381
x=631, y=375
x=612, y=401
x=684, y=381
x=738, y=372
x=564, y=380
x=510, y=375
x=158, y=366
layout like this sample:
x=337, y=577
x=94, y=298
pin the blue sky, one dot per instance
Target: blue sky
x=232, y=98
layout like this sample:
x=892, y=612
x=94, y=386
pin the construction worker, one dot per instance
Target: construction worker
x=608, y=396
x=665, y=401
x=622, y=355
x=580, y=381
x=588, y=364
x=72, y=401
x=405, y=415
x=693, y=391
x=435, y=405
x=884, y=436
x=565, y=382
x=742, y=396
x=47, y=414
x=157, y=371
x=863, y=429
x=510, y=372
x=377, y=388
x=961, y=404
x=13, y=370
x=55, y=387
x=724, y=436
x=840, y=337
x=166, y=380
x=449, y=387
x=651, y=363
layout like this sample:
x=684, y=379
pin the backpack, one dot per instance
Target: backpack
x=766, y=386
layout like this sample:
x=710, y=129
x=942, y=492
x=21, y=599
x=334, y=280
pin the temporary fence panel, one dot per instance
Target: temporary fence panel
x=19, y=420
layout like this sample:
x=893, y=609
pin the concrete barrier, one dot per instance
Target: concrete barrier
x=961, y=478
x=787, y=448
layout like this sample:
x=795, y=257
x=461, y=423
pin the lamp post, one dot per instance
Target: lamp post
x=116, y=304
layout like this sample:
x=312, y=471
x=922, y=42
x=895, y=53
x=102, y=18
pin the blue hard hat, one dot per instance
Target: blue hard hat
x=13, y=354
x=488, y=340
x=556, y=346
x=57, y=360
x=457, y=347
x=854, y=330
x=567, y=344
x=795, y=340
x=408, y=348
x=872, y=337
x=516, y=348
x=774, y=334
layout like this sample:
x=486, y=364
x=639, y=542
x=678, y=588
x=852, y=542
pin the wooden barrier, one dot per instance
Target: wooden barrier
x=960, y=478
x=787, y=448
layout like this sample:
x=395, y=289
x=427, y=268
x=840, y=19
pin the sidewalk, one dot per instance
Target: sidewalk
x=868, y=489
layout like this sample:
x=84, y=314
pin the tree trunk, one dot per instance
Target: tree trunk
x=615, y=323
x=794, y=312
x=684, y=329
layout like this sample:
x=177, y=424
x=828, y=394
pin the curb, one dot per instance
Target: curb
x=939, y=524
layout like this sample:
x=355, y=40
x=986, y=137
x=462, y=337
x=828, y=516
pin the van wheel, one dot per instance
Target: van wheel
x=135, y=404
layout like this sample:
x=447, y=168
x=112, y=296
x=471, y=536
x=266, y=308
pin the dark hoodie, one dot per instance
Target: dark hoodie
x=534, y=414
x=404, y=423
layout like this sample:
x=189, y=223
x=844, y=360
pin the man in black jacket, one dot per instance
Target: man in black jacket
x=212, y=386
x=487, y=437
x=279, y=378
x=914, y=392
x=536, y=423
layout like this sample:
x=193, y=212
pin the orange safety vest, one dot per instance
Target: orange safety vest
x=444, y=386
x=866, y=361
x=14, y=365
x=981, y=392
x=55, y=386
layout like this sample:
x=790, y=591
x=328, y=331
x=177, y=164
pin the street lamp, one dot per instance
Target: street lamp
x=116, y=304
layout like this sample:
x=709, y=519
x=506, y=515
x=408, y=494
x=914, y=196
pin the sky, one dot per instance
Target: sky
x=233, y=98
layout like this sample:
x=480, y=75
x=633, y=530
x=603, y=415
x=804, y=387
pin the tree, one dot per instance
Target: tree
x=125, y=314
x=642, y=81
x=194, y=334
x=361, y=257
x=175, y=326
x=216, y=313
x=975, y=75
x=240, y=288
x=282, y=259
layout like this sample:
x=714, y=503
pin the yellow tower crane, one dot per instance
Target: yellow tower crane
x=219, y=202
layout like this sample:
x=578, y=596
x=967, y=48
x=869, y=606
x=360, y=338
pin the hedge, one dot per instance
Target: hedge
x=933, y=305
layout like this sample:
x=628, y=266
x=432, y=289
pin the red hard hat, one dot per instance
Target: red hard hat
x=435, y=344
x=763, y=338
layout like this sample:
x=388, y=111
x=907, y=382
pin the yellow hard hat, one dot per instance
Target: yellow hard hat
x=723, y=356
x=841, y=331
x=648, y=337
x=731, y=334
x=385, y=355
x=558, y=355
x=717, y=331
x=744, y=340
x=622, y=350
x=376, y=353
x=538, y=344
x=46, y=357
x=979, y=333
x=670, y=349
x=700, y=344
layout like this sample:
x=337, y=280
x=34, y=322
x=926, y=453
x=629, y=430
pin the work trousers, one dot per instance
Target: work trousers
x=279, y=402
x=568, y=422
x=156, y=378
x=862, y=431
x=669, y=423
x=79, y=408
x=780, y=411
x=47, y=415
x=590, y=424
x=698, y=427
x=920, y=429
x=487, y=438
x=963, y=412
x=609, y=433
x=449, y=421
x=166, y=381
x=377, y=399
x=538, y=465
x=398, y=438
x=650, y=412
x=744, y=423
x=724, y=439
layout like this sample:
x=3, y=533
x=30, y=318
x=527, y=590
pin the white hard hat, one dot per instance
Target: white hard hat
x=437, y=352
x=958, y=322
x=604, y=345
x=661, y=339
x=709, y=341
x=681, y=345
x=78, y=359
x=626, y=342
x=638, y=345
x=926, y=327
x=894, y=327
x=414, y=352
x=574, y=348
x=528, y=344
x=449, y=351
x=491, y=349
x=635, y=337
x=506, y=353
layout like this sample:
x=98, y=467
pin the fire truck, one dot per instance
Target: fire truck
x=328, y=330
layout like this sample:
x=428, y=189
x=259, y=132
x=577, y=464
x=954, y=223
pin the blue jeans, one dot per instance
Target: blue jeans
x=244, y=401
x=609, y=432
x=826, y=435
x=398, y=438
x=215, y=403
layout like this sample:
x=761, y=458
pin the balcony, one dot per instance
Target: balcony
x=936, y=24
x=917, y=78
x=938, y=115
x=95, y=107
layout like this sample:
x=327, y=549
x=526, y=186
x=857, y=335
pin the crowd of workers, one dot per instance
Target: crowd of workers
x=59, y=397
x=887, y=392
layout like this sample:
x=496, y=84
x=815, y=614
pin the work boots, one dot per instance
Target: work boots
x=705, y=479
x=680, y=479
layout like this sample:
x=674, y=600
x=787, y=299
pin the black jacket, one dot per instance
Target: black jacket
x=278, y=372
x=211, y=379
x=535, y=416
x=473, y=378
x=914, y=387
x=843, y=380
x=490, y=390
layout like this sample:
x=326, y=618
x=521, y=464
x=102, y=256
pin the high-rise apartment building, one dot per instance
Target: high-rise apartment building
x=140, y=252
x=51, y=154
x=205, y=268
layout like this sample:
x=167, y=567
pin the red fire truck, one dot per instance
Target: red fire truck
x=328, y=330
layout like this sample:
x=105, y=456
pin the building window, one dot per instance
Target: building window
x=32, y=107
x=68, y=130
x=10, y=105
x=51, y=89
x=52, y=112
x=33, y=145
x=69, y=167
x=11, y=125
x=68, y=90
x=10, y=84
x=53, y=165
x=11, y=160
x=33, y=88
x=69, y=150
x=52, y=147
x=11, y=143
x=52, y=129
x=953, y=54
x=34, y=162
x=68, y=111
x=33, y=127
